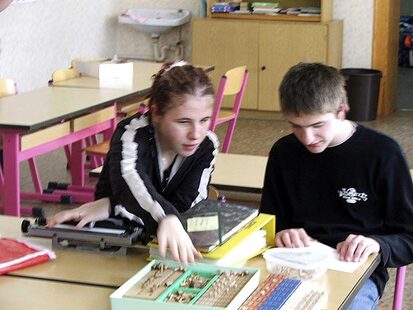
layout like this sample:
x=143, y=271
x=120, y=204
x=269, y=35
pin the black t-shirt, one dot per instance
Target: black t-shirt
x=362, y=186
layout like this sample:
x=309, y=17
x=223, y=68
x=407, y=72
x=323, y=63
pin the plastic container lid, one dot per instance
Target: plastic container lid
x=298, y=263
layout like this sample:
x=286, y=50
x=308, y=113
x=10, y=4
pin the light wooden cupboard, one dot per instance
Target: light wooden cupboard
x=267, y=48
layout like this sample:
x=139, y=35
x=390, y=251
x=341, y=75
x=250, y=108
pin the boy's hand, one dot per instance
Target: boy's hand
x=172, y=235
x=292, y=238
x=357, y=248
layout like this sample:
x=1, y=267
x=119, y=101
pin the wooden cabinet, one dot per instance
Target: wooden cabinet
x=267, y=48
x=228, y=44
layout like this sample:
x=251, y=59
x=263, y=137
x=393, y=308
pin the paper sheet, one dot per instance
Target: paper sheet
x=334, y=263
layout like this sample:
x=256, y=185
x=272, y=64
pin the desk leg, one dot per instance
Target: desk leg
x=11, y=170
x=77, y=170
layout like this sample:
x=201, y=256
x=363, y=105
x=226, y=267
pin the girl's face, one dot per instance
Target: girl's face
x=183, y=127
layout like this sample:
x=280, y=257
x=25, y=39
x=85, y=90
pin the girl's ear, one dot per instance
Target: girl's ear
x=155, y=117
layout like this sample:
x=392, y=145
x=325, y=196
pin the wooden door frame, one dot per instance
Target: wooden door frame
x=385, y=51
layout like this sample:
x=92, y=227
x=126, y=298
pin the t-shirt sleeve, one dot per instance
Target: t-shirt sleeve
x=395, y=184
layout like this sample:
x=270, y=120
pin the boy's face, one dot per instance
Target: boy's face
x=316, y=131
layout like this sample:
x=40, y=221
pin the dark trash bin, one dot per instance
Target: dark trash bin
x=363, y=89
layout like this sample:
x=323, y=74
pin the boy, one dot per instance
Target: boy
x=336, y=181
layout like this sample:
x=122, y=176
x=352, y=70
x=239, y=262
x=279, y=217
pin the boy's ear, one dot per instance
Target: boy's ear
x=342, y=110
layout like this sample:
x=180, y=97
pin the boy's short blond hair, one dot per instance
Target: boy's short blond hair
x=312, y=88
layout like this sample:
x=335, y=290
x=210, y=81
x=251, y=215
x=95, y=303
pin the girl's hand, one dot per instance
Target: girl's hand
x=89, y=212
x=357, y=248
x=172, y=235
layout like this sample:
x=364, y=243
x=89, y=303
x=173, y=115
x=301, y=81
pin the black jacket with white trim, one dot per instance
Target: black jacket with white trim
x=131, y=176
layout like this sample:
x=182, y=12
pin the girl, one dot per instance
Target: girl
x=160, y=163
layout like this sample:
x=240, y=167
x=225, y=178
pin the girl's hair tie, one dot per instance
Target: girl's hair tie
x=179, y=63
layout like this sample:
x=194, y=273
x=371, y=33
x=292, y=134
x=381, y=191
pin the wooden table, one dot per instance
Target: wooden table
x=42, y=120
x=143, y=72
x=23, y=293
x=341, y=287
x=236, y=172
x=112, y=271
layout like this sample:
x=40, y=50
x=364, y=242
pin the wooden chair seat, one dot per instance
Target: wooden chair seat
x=225, y=115
x=98, y=149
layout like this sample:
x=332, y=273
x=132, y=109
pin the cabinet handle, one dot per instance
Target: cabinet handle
x=263, y=68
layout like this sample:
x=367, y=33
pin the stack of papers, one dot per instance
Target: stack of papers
x=317, y=255
x=270, y=8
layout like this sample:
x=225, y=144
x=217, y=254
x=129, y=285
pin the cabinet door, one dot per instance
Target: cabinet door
x=283, y=45
x=228, y=44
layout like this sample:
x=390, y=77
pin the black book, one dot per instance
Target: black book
x=210, y=223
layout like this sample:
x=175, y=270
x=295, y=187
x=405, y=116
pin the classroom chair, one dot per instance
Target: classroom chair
x=130, y=109
x=213, y=193
x=64, y=74
x=97, y=152
x=399, y=288
x=8, y=88
x=232, y=83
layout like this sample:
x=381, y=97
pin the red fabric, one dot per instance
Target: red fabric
x=408, y=41
x=12, y=250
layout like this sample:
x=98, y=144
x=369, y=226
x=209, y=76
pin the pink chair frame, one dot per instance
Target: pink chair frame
x=232, y=119
x=399, y=288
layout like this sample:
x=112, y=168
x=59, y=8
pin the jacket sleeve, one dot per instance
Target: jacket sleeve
x=395, y=184
x=274, y=200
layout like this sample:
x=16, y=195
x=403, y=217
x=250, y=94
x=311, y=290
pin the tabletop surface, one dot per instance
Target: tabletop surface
x=239, y=172
x=49, y=105
x=143, y=72
x=112, y=271
x=23, y=293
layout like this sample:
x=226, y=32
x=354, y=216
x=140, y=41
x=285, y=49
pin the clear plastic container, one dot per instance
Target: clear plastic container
x=304, y=263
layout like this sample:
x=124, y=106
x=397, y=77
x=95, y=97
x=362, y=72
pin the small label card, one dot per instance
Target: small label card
x=203, y=223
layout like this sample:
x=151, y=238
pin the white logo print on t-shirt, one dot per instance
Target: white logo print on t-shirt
x=350, y=195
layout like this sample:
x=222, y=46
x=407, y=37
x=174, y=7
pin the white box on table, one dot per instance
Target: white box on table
x=105, y=69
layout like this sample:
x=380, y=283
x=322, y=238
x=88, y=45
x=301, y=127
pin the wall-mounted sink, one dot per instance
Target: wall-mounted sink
x=154, y=21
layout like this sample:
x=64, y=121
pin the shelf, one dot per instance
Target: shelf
x=326, y=7
x=292, y=18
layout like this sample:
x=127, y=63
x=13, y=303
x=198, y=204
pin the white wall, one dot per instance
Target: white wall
x=135, y=44
x=358, y=18
x=39, y=37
